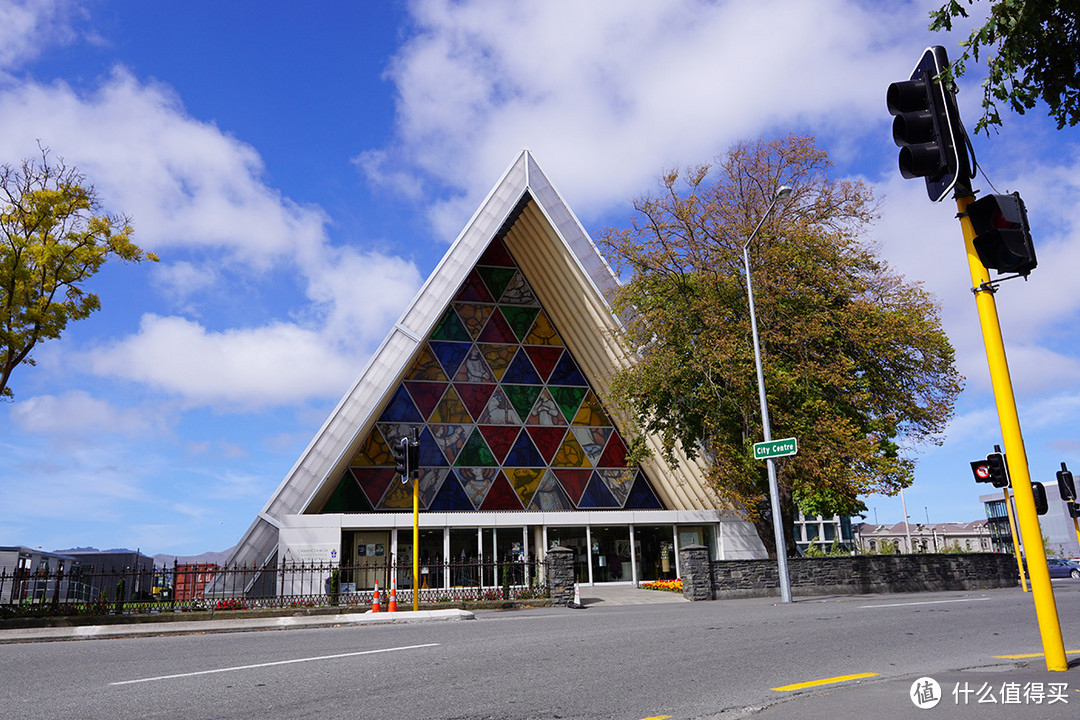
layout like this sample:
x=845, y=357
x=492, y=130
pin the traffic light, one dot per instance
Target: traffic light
x=1039, y=493
x=1066, y=486
x=414, y=453
x=1074, y=509
x=999, y=476
x=927, y=127
x=1002, y=237
x=401, y=458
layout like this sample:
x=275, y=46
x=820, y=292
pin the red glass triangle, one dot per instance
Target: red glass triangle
x=614, y=454
x=475, y=396
x=543, y=358
x=501, y=496
x=426, y=395
x=547, y=440
x=373, y=481
x=497, y=330
x=474, y=289
x=500, y=438
x=496, y=254
x=574, y=482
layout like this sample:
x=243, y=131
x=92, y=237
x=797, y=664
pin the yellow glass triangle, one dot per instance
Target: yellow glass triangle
x=590, y=413
x=374, y=451
x=524, y=481
x=450, y=409
x=542, y=333
x=426, y=367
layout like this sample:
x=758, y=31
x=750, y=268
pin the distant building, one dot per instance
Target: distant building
x=190, y=580
x=29, y=574
x=1058, y=530
x=102, y=571
x=926, y=538
x=823, y=532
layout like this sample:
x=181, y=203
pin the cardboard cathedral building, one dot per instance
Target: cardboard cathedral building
x=501, y=362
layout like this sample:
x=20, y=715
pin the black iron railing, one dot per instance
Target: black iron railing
x=180, y=587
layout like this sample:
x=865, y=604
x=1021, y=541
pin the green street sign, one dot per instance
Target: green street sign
x=775, y=448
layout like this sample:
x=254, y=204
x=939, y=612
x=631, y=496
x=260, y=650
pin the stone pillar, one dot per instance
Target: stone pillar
x=696, y=572
x=560, y=575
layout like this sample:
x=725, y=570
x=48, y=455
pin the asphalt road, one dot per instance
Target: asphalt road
x=684, y=660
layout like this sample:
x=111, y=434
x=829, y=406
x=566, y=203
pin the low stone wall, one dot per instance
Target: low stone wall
x=858, y=574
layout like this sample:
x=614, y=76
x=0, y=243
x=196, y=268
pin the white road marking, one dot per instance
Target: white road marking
x=271, y=664
x=924, y=602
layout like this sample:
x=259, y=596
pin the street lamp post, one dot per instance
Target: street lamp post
x=774, y=493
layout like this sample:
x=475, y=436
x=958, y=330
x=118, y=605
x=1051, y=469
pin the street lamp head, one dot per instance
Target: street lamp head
x=782, y=192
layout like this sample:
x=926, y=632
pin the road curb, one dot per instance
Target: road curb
x=188, y=627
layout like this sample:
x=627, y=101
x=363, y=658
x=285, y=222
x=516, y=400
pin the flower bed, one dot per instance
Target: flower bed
x=669, y=585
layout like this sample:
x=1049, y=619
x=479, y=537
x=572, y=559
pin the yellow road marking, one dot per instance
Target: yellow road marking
x=1031, y=655
x=657, y=717
x=825, y=681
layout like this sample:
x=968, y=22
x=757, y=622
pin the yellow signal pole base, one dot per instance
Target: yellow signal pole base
x=1030, y=532
x=416, y=544
x=1016, y=541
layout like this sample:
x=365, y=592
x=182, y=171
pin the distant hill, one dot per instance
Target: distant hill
x=207, y=557
x=164, y=559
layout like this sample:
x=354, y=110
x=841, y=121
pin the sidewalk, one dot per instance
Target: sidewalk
x=189, y=627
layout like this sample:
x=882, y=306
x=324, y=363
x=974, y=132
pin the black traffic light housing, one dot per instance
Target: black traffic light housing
x=414, y=454
x=999, y=475
x=1039, y=493
x=1002, y=237
x=401, y=458
x=1074, y=509
x=981, y=470
x=1066, y=486
x=927, y=127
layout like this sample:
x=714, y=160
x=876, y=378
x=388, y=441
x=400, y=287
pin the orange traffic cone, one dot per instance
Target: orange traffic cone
x=375, y=602
x=393, y=593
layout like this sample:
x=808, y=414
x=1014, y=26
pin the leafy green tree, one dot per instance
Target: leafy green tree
x=53, y=237
x=1030, y=48
x=856, y=364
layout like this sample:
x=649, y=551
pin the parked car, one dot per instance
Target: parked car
x=1063, y=568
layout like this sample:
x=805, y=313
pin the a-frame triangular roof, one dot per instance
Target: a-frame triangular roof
x=571, y=280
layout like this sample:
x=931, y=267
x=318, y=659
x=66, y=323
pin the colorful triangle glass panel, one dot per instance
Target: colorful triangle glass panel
x=426, y=395
x=545, y=411
x=520, y=319
x=550, y=496
x=473, y=316
x=569, y=399
x=450, y=355
x=498, y=357
x=567, y=373
x=518, y=292
x=574, y=482
x=426, y=367
x=475, y=369
x=474, y=289
x=501, y=496
x=476, y=482
x=522, y=397
x=500, y=438
x=496, y=279
x=499, y=410
x=347, y=497
x=547, y=440
x=496, y=254
x=592, y=441
x=618, y=482
x=614, y=454
x=570, y=454
x=497, y=330
x=401, y=409
x=642, y=496
x=450, y=409
x=544, y=359
x=430, y=453
x=525, y=481
x=543, y=332
x=523, y=453
x=373, y=451
x=476, y=453
x=475, y=397
x=597, y=495
x=451, y=497
x=449, y=327
x=521, y=371
x=590, y=413
x=450, y=439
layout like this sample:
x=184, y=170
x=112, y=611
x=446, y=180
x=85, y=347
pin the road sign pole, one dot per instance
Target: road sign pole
x=1041, y=590
x=1016, y=540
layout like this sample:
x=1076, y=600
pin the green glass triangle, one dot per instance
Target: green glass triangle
x=522, y=397
x=476, y=452
x=569, y=399
x=496, y=279
x=449, y=327
x=520, y=318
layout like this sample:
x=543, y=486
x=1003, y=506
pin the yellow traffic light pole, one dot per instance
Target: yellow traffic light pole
x=416, y=542
x=1038, y=571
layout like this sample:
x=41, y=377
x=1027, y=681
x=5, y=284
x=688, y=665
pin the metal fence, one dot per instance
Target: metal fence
x=183, y=587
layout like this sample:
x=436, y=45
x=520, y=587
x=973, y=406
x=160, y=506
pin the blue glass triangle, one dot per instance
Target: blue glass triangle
x=450, y=355
x=641, y=496
x=451, y=497
x=566, y=372
x=401, y=409
x=521, y=372
x=430, y=455
x=597, y=495
x=524, y=453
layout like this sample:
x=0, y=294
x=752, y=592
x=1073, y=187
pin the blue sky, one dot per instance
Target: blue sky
x=301, y=171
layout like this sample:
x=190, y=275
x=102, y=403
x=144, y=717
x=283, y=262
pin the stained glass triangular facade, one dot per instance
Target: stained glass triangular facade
x=507, y=419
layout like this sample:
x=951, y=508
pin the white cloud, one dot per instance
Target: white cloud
x=607, y=94
x=77, y=414
x=243, y=368
x=29, y=26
